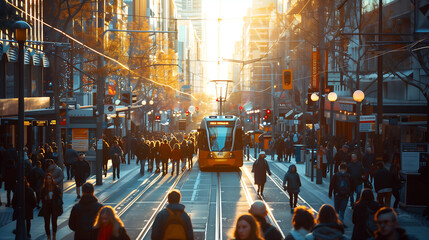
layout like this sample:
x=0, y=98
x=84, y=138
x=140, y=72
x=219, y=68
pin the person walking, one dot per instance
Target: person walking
x=108, y=226
x=396, y=183
x=303, y=222
x=363, y=216
x=341, y=156
x=52, y=205
x=106, y=157
x=190, y=154
x=247, y=228
x=163, y=225
x=156, y=155
x=81, y=171
x=36, y=181
x=356, y=171
x=69, y=158
x=9, y=177
x=164, y=155
x=260, y=168
x=383, y=184
x=291, y=184
x=29, y=205
x=116, y=154
x=142, y=153
x=388, y=226
x=328, y=226
x=184, y=150
x=289, y=149
x=259, y=212
x=176, y=156
x=151, y=157
x=368, y=162
x=340, y=186
x=56, y=172
x=84, y=213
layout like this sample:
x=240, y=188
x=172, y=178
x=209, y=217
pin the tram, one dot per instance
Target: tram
x=220, y=142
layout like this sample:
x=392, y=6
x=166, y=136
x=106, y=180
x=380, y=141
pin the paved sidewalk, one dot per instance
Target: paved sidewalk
x=409, y=218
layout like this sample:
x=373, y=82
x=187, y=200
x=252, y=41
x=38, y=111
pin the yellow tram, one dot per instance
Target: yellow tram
x=220, y=142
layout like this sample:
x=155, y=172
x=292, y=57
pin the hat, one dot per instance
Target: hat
x=88, y=188
x=262, y=153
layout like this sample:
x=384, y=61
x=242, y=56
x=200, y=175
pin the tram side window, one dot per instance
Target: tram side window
x=202, y=140
x=238, y=144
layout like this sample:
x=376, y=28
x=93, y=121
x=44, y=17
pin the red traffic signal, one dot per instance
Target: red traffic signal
x=265, y=117
x=240, y=108
x=158, y=117
x=187, y=113
x=268, y=111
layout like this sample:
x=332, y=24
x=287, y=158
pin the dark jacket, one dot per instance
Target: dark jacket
x=355, y=169
x=360, y=218
x=116, y=150
x=164, y=152
x=368, y=159
x=142, y=151
x=71, y=156
x=123, y=235
x=382, y=179
x=269, y=231
x=176, y=154
x=53, y=206
x=333, y=184
x=82, y=217
x=30, y=203
x=401, y=233
x=10, y=175
x=327, y=231
x=159, y=225
x=81, y=170
x=260, y=168
x=293, y=181
x=184, y=149
x=36, y=178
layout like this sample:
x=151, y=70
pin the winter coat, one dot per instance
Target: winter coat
x=260, y=168
x=382, y=179
x=10, y=175
x=360, y=218
x=297, y=234
x=327, y=231
x=36, y=178
x=333, y=184
x=57, y=173
x=164, y=151
x=52, y=206
x=30, y=203
x=190, y=150
x=116, y=150
x=81, y=170
x=184, y=149
x=269, y=231
x=293, y=181
x=368, y=159
x=70, y=156
x=82, y=217
x=401, y=233
x=159, y=225
x=355, y=169
x=176, y=155
x=123, y=235
x=28, y=165
x=142, y=151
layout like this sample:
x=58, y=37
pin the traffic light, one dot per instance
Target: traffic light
x=158, y=118
x=268, y=116
x=125, y=98
x=47, y=87
x=240, y=108
x=287, y=79
x=187, y=113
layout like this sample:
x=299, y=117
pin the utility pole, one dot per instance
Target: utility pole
x=378, y=135
x=100, y=97
x=321, y=80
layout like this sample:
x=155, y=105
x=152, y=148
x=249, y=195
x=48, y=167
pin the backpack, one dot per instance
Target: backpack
x=175, y=226
x=371, y=226
x=342, y=186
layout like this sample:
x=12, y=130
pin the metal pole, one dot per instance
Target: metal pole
x=20, y=222
x=220, y=102
x=312, y=148
x=331, y=119
x=273, y=125
x=378, y=140
x=358, y=124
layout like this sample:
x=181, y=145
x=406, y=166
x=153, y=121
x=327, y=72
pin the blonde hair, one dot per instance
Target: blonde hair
x=113, y=219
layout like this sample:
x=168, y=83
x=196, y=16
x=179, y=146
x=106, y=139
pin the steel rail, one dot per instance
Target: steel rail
x=218, y=224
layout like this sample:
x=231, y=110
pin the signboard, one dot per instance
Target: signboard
x=367, y=123
x=39, y=123
x=80, y=139
x=315, y=67
x=70, y=99
x=413, y=156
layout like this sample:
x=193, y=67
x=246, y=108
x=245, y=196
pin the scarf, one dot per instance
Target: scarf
x=105, y=232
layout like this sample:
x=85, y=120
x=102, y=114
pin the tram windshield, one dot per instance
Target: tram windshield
x=220, y=138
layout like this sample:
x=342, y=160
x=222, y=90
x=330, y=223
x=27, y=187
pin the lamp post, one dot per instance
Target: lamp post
x=332, y=97
x=144, y=102
x=314, y=98
x=358, y=96
x=221, y=86
x=21, y=36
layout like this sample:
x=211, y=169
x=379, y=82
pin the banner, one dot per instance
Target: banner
x=80, y=139
x=315, y=67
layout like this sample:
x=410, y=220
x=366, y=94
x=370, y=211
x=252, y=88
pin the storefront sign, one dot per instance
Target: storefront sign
x=80, y=139
x=413, y=156
x=38, y=123
x=315, y=67
x=367, y=123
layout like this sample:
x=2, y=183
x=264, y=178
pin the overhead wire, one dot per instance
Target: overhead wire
x=101, y=54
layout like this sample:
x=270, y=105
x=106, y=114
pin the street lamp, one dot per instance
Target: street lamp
x=314, y=99
x=358, y=96
x=332, y=97
x=151, y=102
x=21, y=36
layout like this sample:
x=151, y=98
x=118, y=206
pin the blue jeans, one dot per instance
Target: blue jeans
x=340, y=205
x=358, y=191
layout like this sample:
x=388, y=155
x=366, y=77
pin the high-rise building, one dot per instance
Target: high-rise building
x=191, y=9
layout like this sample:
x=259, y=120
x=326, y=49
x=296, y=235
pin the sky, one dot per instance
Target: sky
x=232, y=13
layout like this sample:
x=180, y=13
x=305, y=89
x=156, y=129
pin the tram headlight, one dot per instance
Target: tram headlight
x=211, y=155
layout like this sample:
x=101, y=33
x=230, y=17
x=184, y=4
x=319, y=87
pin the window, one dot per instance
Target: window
x=220, y=138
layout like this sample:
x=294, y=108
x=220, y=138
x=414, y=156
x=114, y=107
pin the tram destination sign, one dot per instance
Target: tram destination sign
x=219, y=123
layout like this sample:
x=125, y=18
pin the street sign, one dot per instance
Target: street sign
x=367, y=123
x=70, y=99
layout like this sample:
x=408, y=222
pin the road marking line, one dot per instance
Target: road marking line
x=197, y=182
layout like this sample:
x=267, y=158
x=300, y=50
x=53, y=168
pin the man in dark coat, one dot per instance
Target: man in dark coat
x=81, y=171
x=116, y=154
x=164, y=155
x=160, y=223
x=69, y=158
x=383, y=184
x=341, y=156
x=142, y=153
x=83, y=214
x=340, y=186
x=30, y=204
x=260, y=168
x=355, y=169
x=259, y=211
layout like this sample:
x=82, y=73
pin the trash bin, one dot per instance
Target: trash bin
x=308, y=162
x=299, y=153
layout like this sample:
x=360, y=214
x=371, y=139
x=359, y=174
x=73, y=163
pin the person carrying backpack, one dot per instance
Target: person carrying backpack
x=363, y=216
x=173, y=222
x=340, y=185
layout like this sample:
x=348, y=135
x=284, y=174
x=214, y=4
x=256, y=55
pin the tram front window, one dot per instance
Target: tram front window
x=220, y=138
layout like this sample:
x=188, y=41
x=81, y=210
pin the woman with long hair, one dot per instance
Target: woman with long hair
x=291, y=184
x=328, y=224
x=108, y=226
x=247, y=228
x=52, y=204
x=363, y=212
